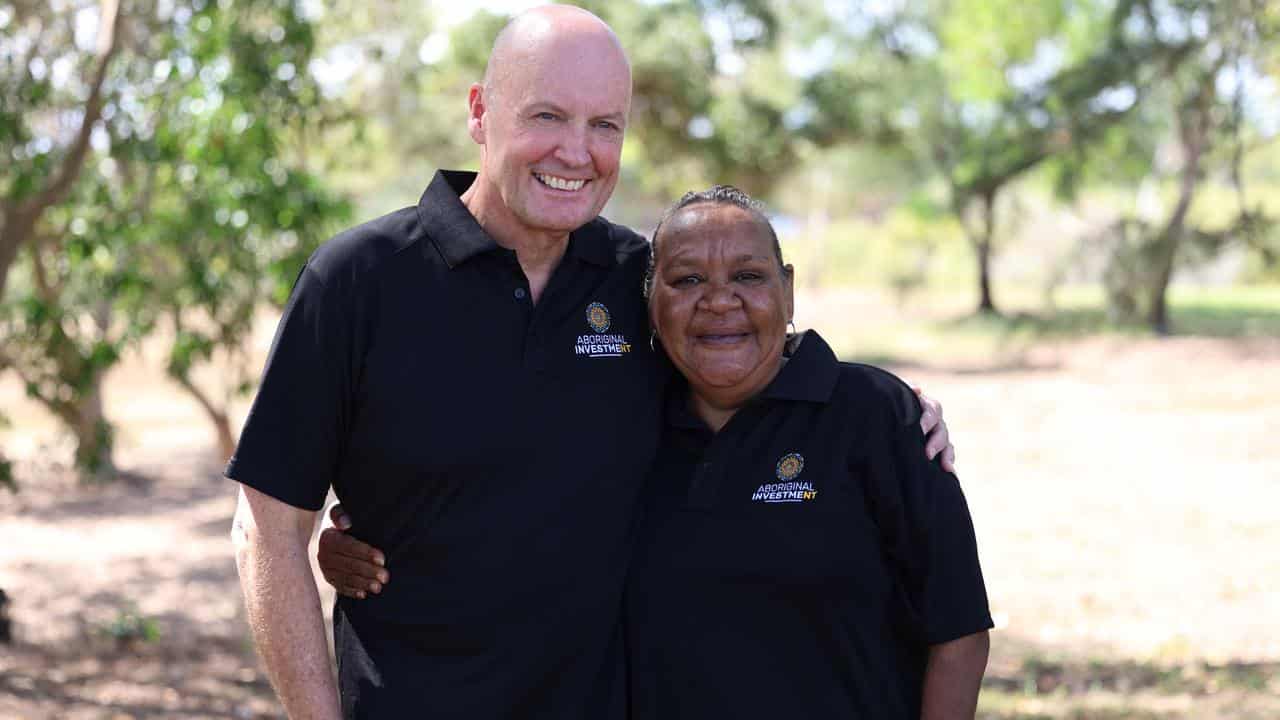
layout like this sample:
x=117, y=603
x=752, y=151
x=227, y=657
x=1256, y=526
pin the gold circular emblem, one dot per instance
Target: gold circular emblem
x=598, y=317
x=790, y=466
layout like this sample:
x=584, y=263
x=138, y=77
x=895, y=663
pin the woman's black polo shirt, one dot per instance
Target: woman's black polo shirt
x=800, y=562
x=494, y=449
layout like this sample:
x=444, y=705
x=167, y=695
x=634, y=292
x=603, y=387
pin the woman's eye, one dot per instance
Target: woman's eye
x=545, y=116
x=687, y=281
x=750, y=276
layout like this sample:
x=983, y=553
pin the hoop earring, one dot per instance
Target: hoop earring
x=791, y=324
x=651, y=336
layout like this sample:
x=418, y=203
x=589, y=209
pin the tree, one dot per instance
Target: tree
x=1206, y=95
x=991, y=100
x=176, y=196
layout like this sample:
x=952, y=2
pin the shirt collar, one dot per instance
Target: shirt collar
x=458, y=236
x=454, y=231
x=809, y=375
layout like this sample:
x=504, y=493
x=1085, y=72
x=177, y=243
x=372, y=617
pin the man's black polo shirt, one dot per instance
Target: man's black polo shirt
x=494, y=449
x=799, y=563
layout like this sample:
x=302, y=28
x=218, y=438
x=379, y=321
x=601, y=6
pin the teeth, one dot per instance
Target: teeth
x=560, y=183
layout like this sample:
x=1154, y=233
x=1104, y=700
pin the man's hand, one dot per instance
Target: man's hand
x=353, y=568
x=938, y=440
x=283, y=603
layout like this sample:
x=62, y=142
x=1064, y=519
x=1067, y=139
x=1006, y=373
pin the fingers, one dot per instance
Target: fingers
x=937, y=441
x=351, y=585
x=338, y=516
x=939, y=446
x=931, y=412
x=938, y=437
x=352, y=567
x=348, y=591
x=351, y=572
x=334, y=542
x=949, y=459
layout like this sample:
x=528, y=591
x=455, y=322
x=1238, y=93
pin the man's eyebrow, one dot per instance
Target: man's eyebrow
x=543, y=105
x=616, y=116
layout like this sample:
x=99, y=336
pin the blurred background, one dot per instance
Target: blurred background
x=1057, y=216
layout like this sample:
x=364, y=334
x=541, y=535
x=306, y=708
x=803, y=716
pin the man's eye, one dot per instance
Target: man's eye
x=545, y=116
x=750, y=276
x=607, y=125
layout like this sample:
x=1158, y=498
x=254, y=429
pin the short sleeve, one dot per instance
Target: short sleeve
x=294, y=434
x=927, y=531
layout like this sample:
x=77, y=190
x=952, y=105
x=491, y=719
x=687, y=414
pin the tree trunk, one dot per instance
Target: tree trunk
x=94, y=437
x=1193, y=133
x=218, y=416
x=982, y=252
x=15, y=227
x=226, y=441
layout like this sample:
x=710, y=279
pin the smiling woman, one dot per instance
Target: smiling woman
x=793, y=526
x=721, y=297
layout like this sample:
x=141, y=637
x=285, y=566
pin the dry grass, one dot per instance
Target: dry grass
x=1125, y=491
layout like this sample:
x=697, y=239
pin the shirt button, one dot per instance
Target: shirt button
x=520, y=293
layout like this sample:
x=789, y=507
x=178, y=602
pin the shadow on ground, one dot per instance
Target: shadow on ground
x=104, y=678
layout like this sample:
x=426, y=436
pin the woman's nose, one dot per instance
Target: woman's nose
x=721, y=299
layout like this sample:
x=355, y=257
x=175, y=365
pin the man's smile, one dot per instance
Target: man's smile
x=559, y=183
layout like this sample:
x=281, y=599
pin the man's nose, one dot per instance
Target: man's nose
x=572, y=149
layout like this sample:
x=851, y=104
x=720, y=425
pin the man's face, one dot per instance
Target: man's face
x=552, y=134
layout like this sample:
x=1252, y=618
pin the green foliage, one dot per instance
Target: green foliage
x=194, y=204
x=979, y=44
x=7, y=480
x=129, y=627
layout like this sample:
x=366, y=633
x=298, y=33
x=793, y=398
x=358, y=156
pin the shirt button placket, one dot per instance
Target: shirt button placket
x=703, y=488
x=533, y=352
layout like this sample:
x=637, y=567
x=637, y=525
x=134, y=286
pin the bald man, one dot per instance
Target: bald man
x=474, y=378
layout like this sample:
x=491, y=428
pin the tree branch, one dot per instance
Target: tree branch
x=46, y=289
x=73, y=162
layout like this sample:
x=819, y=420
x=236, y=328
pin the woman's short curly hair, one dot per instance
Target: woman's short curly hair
x=715, y=195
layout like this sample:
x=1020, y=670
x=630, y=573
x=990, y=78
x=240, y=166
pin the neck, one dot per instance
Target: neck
x=539, y=253
x=716, y=406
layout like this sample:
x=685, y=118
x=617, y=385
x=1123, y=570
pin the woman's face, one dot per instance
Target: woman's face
x=720, y=301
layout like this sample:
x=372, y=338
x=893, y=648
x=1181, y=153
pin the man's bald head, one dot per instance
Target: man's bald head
x=550, y=119
x=551, y=28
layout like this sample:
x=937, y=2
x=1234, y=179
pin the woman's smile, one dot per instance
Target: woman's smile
x=722, y=338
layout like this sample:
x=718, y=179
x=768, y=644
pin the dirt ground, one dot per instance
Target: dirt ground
x=1126, y=494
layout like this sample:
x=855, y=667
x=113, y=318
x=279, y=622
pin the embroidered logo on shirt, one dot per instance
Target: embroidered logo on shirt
x=600, y=344
x=598, y=317
x=787, y=489
x=789, y=467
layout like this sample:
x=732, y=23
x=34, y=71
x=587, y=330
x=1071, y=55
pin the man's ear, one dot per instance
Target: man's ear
x=475, y=113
